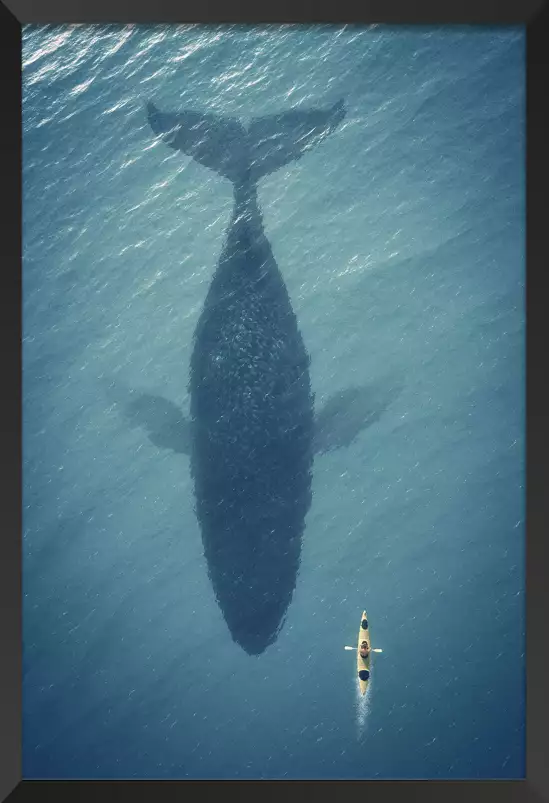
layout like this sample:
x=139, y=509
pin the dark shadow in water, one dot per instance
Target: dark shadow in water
x=251, y=430
x=349, y=412
x=162, y=420
x=338, y=423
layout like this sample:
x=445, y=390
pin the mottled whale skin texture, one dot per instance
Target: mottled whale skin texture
x=252, y=421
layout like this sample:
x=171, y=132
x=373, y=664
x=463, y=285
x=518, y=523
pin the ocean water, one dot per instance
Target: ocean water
x=401, y=241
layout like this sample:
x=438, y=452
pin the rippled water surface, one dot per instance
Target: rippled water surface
x=401, y=241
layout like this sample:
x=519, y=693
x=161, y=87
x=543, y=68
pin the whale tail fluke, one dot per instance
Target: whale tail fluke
x=224, y=145
x=282, y=138
x=219, y=143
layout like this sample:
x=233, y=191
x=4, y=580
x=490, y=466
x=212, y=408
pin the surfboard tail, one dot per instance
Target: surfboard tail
x=224, y=145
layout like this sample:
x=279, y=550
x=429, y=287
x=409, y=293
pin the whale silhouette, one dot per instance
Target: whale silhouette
x=251, y=404
x=251, y=432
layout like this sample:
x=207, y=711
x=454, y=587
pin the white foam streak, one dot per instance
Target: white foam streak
x=362, y=707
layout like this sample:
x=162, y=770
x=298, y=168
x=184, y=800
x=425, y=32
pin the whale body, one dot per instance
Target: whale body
x=252, y=427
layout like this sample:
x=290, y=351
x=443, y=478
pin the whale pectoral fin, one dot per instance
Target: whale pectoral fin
x=162, y=420
x=349, y=412
x=220, y=143
x=278, y=139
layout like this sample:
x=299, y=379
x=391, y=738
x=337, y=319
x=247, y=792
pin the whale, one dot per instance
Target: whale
x=251, y=433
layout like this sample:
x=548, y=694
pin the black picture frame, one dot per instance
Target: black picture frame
x=13, y=14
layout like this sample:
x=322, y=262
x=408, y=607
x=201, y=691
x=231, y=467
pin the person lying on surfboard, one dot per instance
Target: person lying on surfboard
x=364, y=649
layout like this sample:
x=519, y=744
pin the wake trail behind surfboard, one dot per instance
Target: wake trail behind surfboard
x=362, y=708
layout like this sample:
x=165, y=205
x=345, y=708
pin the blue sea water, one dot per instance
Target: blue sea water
x=401, y=241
